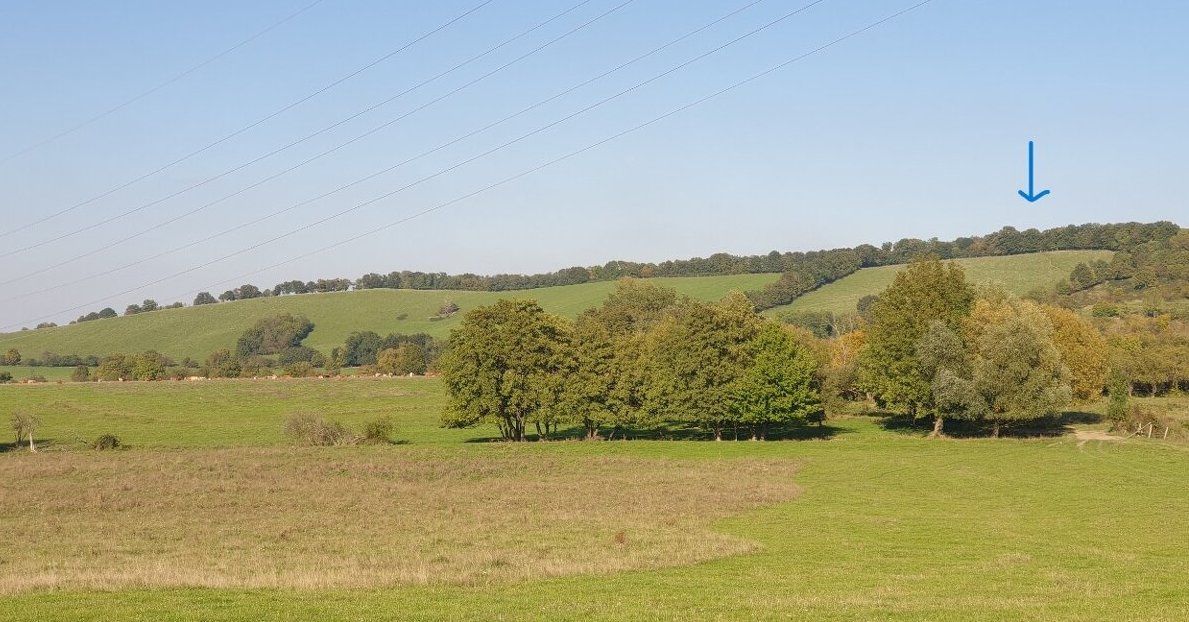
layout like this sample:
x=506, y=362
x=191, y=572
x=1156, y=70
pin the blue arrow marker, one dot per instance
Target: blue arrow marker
x=1030, y=196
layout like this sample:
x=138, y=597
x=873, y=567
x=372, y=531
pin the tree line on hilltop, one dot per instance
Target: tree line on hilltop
x=801, y=272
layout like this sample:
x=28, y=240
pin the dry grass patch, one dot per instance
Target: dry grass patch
x=363, y=517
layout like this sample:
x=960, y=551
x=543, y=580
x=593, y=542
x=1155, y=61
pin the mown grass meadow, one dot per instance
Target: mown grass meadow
x=865, y=521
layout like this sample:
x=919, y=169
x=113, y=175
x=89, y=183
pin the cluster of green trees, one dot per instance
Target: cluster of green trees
x=320, y=286
x=395, y=353
x=274, y=343
x=149, y=365
x=931, y=346
x=51, y=359
x=1149, y=355
x=97, y=315
x=936, y=349
x=149, y=305
x=645, y=359
x=1157, y=270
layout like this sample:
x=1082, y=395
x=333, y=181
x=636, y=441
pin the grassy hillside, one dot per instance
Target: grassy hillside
x=211, y=515
x=1018, y=273
x=196, y=331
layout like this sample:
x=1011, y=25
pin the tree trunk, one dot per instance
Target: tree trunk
x=938, y=425
x=995, y=430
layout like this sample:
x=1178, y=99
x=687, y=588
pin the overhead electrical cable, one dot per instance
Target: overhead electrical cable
x=157, y=87
x=328, y=128
x=351, y=184
x=508, y=180
x=251, y=125
x=505, y=145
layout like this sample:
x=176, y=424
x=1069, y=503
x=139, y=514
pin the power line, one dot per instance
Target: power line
x=275, y=213
x=490, y=151
x=319, y=132
x=161, y=85
x=251, y=125
x=517, y=176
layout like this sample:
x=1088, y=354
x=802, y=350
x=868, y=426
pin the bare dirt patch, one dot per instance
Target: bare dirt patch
x=363, y=517
x=1084, y=436
x=1095, y=434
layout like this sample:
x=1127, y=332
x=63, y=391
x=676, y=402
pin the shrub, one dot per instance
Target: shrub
x=12, y=357
x=308, y=429
x=1116, y=408
x=300, y=369
x=221, y=364
x=82, y=373
x=255, y=365
x=24, y=425
x=1105, y=309
x=115, y=367
x=5, y=377
x=297, y=354
x=271, y=335
x=378, y=431
x=105, y=442
x=150, y=365
x=407, y=358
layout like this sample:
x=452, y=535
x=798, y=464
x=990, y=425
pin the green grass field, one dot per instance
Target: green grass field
x=1019, y=274
x=197, y=331
x=879, y=524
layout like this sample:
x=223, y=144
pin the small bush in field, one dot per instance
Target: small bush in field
x=105, y=442
x=300, y=369
x=378, y=431
x=306, y=429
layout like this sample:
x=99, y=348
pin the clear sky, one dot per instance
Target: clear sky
x=915, y=129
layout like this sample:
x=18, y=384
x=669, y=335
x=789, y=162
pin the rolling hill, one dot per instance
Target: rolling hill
x=1017, y=273
x=196, y=331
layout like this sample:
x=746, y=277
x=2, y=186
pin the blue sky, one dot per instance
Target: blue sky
x=916, y=129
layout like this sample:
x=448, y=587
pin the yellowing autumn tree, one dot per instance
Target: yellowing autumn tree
x=1083, y=350
x=1017, y=373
